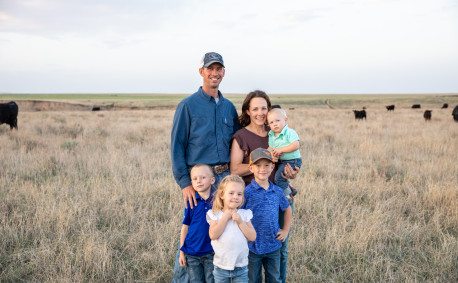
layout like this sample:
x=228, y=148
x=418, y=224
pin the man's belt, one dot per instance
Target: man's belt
x=217, y=169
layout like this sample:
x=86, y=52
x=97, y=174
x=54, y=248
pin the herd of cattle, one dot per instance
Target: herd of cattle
x=361, y=114
x=10, y=110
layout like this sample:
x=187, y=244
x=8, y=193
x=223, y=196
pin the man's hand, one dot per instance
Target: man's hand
x=189, y=195
x=289, y=173
x=281, y=235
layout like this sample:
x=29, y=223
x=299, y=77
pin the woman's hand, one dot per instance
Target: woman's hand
x=289, y=173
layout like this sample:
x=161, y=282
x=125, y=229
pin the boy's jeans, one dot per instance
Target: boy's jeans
x=271, y=263
x=238, y=275
x=279, y=180
x=200, y=268
x=284, y=247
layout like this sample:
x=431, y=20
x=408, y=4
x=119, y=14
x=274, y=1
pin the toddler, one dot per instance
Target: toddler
x=284, y=144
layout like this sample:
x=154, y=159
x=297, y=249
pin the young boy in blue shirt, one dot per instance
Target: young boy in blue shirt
x=265, y=201
x=196, y=251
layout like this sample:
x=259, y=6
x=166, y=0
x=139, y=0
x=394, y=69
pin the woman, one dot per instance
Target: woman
x=254, y=134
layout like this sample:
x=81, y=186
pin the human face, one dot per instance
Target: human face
x=262, y=170
x=276, y=121
x=213, y=75
x=258, y=111
x=233, y=195
x=202, y=179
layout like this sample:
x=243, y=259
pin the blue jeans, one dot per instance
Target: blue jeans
x=180, y=273
x=200, y=268
x=238, y=275
x=284, y=248
x=271, y=263
x=279, y=180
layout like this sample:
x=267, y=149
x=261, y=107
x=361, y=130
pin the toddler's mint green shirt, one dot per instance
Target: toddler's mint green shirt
x=285, y=138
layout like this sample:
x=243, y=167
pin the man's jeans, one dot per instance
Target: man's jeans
x=271, y=263
x=200, y=268
x=180, y=273
x=279, y=180
x=284, y=248
x=238, y=275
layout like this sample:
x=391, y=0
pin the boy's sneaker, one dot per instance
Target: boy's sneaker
x=290, y=198
x=293, y=190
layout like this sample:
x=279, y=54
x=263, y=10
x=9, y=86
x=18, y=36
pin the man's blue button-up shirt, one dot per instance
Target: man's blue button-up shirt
x=201, y=133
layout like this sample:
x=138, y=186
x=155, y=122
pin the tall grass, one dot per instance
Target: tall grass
x=89, y=196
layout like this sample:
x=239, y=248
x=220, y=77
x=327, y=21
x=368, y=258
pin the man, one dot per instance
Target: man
x=202, y=130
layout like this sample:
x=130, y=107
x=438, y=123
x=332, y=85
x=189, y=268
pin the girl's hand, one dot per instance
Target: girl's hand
x=236, y=217
x=227, y=214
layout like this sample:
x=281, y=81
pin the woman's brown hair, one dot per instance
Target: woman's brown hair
x=244, y=119
x=217, y=200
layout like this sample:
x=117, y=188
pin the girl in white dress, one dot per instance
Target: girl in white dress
x=230, y=231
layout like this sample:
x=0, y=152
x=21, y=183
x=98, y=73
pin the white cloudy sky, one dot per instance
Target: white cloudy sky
x=155, y=46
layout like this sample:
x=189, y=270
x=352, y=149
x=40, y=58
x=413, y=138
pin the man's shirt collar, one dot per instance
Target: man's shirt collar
x=208, y=97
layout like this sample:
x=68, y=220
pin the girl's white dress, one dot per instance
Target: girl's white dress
x=231, y=248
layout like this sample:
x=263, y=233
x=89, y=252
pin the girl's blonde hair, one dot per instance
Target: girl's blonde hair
x=217, y=201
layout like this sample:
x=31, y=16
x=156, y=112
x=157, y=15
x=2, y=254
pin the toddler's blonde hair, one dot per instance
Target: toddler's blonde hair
x=278, y=110
x=218, y=203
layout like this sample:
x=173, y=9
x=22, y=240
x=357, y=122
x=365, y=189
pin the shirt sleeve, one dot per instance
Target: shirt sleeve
x=178, y=145
x=247, y=215
x=284, y=204
x=292, y=136
x=211, y=216
x=236, y=119
x=187, y=216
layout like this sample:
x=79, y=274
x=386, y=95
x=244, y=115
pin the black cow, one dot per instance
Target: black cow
x=416, y=106
x=390, y=107
x=276, y=106
x=427, y=115
x=444, y=106
x=455, y=113
x=359, y=115
x=8, y=114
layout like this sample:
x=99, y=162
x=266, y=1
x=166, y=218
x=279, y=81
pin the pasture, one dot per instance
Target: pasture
x=90, y=196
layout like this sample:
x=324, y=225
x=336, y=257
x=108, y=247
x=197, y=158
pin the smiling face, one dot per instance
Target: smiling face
x=201, y=178
x=213, y=75
x=276, y=120
x=262, y=170
x=233, y=195
x=258, y=111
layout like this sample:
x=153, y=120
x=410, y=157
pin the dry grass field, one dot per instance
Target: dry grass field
x=90, y=196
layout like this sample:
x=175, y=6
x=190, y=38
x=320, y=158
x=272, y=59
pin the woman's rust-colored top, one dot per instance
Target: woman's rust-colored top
x=249, y=141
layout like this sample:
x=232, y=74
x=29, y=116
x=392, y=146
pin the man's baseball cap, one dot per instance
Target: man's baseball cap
x=210, y=58
x=260, y=153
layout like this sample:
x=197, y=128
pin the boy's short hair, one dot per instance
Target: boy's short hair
x=278, y=110
x=200, y=165
x=260, y=153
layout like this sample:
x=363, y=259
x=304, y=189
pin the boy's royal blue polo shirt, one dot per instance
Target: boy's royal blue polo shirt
x=265, y=205
x=197, y=241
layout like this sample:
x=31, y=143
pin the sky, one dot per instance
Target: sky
x=281, y=47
